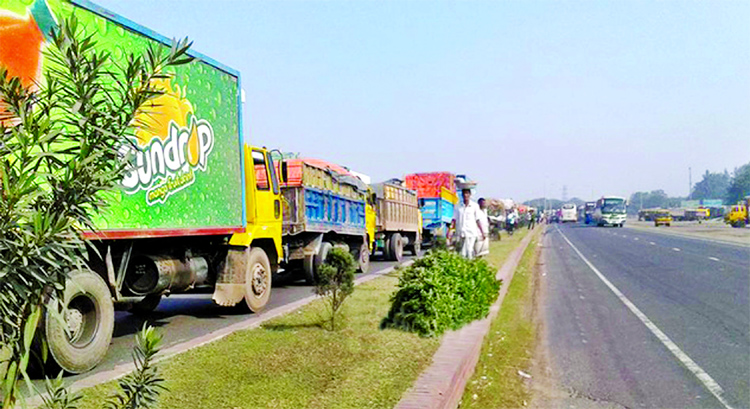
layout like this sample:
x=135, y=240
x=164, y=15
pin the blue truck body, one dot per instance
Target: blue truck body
x=313, y=210
x=436, y=214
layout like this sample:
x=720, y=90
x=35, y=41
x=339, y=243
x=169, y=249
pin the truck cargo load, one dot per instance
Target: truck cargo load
x=398, y=220
x=431, y=184
x=436, y=192
x=324, y=206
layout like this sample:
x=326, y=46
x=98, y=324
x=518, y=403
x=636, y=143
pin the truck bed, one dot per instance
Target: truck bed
x=320, y=198
x=397, y=208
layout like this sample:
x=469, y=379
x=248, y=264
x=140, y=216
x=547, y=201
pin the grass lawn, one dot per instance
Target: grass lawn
x=508, y=346
x=292, y=362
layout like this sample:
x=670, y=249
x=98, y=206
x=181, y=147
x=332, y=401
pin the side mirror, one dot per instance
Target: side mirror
x=283, y=173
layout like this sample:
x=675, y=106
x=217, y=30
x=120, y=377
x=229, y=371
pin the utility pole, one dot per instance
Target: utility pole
x=565, y=193
x=690, y=183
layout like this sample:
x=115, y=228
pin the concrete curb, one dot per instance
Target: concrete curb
x=442, y=384
x=254, y=321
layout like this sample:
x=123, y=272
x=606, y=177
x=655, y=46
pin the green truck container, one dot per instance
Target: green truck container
x=191, y=211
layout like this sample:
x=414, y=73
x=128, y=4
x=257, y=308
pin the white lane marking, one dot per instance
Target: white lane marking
x=704, y=377
x=714, y=259
x=636, y=239
x=652, y=243
x=676, y=249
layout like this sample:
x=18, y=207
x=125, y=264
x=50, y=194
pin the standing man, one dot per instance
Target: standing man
x=467, y=225
x=482, y=247
x=530, y=218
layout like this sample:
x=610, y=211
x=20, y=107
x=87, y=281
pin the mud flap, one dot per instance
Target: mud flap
x=230, y=283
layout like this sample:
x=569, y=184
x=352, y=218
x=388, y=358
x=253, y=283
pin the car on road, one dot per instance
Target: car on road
x=662, y=219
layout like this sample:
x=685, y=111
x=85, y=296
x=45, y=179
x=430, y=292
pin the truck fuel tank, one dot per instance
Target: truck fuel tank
x=151, y=274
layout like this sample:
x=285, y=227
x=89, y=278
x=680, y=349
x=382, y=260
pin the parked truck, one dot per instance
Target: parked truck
x=324, y=207
x=738, y=215
x=398, y=224
x=436, y=194
x=190, y=212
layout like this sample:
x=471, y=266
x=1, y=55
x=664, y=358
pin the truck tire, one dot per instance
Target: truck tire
x=258, y=277
x=396, y=248
x=362, y=256
x=387, y=248
x=91, y=315
x=146, y=305
x=313, y=262
x=416, y=247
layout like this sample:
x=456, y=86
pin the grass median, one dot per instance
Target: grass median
x=293, y=362
x=508, y=347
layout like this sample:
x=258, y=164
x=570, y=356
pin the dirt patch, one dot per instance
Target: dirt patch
x=711, y=230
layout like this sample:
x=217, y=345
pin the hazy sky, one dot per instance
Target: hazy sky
x=605, y=97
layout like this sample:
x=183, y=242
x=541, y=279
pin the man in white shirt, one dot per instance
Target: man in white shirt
x=482, y=247
x=466, y=222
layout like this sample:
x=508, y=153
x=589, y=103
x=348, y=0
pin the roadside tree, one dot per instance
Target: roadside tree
x=739, y=187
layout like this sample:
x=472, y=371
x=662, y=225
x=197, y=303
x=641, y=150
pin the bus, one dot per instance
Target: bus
x=569, y=213
x=610, y=210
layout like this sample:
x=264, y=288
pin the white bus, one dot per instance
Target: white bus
x=569, y=213
x=610, y=210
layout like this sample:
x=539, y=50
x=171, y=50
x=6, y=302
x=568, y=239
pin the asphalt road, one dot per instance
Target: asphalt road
x=183, y=317
x=694, y=292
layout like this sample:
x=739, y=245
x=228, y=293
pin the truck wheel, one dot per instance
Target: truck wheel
x=387, y=248
x=362, y=255
x=146, y=305
x=312, y=263
x=416, y=247
x=89, y=317
x=257, y=280
x=397, y=247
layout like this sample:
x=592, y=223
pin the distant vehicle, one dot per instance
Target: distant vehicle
x=588, y=212
x=738, y=214
x=662, y=219
x=610, y=210
x=568, y=213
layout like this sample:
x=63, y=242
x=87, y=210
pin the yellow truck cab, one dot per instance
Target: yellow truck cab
x=371, y=216
x=662, y=219
x=737, y=216
x=254, y=254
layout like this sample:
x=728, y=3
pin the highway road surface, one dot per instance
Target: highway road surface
x=637, y=319
x=183, y=317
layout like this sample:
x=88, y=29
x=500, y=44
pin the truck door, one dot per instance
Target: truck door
x=267, y=203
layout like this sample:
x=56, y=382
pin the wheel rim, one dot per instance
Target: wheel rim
x=364, y=257
x=81, y=320
x=259, y=276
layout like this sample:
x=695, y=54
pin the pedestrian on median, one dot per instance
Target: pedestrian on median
x=530, y=219
x=482, y=247
x=467, y=225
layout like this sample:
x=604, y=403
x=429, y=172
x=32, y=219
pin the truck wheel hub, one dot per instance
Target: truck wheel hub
x=259, y=280
x=74, y=321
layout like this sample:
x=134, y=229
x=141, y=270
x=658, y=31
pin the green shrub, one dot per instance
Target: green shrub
x=442, y=291
x=336, y=281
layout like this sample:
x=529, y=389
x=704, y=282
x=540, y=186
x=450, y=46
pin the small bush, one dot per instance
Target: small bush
x=440, y=243
x=442, y=291
x=336, y=280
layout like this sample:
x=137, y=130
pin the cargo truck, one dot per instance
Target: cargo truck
x=739, y=214
x=190, y=212
x=436, y=194
x=324, y=207
x=398, y=223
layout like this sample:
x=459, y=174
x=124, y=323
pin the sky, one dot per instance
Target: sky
x=524, y=97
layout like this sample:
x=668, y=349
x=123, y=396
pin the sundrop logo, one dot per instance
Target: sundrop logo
x=170, y=147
